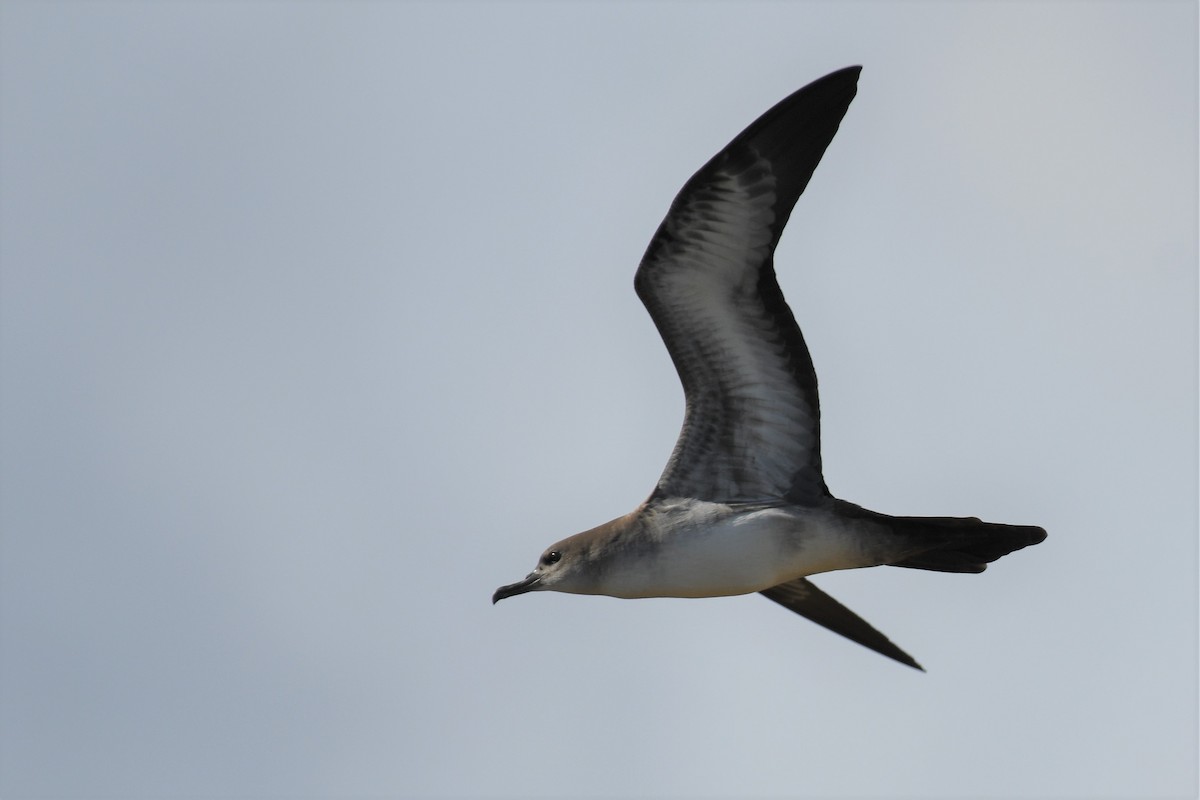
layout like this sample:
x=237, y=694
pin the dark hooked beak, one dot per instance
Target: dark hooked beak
x=529, y=583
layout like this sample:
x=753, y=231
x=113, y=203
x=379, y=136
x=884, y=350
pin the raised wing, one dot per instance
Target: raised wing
x=751, y=430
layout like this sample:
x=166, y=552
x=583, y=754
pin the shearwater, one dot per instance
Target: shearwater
x=742, y=505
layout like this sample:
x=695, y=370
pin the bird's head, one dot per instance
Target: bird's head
x=562, y=567
x=585, y=563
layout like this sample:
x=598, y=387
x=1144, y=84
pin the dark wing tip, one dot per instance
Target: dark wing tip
x=794, y=133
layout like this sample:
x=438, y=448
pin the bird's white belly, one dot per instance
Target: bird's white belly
x=708, y=553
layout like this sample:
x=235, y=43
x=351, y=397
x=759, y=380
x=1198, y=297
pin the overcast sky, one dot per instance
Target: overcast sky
x=317, y=325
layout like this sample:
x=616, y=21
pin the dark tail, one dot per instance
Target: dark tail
x=954, y=544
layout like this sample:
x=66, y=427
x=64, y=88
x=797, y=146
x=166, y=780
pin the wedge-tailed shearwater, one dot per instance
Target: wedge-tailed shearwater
x=742, y=505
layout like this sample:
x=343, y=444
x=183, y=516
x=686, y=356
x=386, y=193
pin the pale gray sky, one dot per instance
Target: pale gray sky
x=317, y=325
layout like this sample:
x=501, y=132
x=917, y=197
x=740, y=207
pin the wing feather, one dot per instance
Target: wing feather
x=751, y=429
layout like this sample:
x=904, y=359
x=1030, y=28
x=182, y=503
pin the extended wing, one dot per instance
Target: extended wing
x=810, y=602
x=751, y=430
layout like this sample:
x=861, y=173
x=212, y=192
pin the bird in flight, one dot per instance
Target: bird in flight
x=742, y=504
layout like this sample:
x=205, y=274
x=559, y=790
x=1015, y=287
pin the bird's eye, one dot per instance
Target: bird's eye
x=552, y=557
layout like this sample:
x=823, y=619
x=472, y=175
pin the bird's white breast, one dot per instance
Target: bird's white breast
x=696, y=549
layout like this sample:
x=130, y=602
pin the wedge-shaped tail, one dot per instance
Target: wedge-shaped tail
x=962, y=544
x=948, y=544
